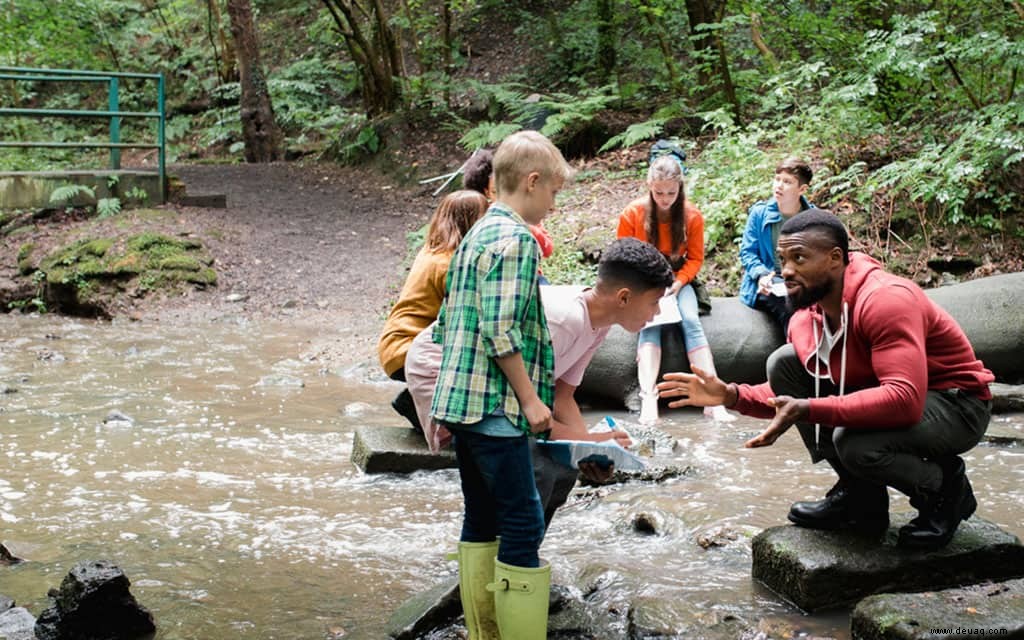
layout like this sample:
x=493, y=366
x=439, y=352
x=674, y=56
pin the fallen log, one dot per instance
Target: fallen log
x=989, y=309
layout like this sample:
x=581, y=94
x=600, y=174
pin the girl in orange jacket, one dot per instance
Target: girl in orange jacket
x=665, y=219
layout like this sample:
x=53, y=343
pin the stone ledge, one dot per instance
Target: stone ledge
x=824, y=569
x=207, y=201
x=426, y=611
x=395, y=450
x=991, y=610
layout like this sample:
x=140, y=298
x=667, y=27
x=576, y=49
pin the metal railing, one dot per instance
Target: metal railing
x=113, y=112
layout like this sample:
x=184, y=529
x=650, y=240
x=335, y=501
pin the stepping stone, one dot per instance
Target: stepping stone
x=396, y=450
x=1004, y=433
x=987, y=610
x=426, y=611
x=1007, y=398
x=824, y=569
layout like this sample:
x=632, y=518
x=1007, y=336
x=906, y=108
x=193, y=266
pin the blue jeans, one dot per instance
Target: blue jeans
x=693, y=331
x=500, y=495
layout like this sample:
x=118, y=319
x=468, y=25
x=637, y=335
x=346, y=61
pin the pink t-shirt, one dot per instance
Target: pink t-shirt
x=572, y=337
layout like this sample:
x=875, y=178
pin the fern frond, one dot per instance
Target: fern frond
x=68, y=192
x=487, y=134
x=635, y=133
x=107, y=207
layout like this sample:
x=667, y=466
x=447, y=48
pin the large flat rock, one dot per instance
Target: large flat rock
x=824, y=569
x=741, y=339
x=986, y=610
x=395, y=450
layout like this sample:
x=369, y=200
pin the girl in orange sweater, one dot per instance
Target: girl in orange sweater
x=665, y=219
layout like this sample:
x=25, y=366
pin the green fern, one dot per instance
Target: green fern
x=635, y=133
x=107, y=207
x=567, y=112
x=502, y=99
x=487, y=134
x=68, y=192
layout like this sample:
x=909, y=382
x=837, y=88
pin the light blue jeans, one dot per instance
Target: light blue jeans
x=693, y=332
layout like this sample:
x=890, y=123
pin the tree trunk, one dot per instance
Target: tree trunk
x=606, y=45
x=713, y=68
x=762, y=46
x=449, y=45
x=666, y=51
x=227, y=70
x=374, y=51
x=259, y=129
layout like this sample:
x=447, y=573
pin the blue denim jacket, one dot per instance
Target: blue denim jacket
x=757, y=255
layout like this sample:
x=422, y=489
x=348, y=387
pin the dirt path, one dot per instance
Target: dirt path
x=313, y=244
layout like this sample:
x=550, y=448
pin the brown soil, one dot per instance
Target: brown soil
x=314, y=244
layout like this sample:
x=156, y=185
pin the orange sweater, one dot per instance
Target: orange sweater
x=631, y=225
x=417, y=306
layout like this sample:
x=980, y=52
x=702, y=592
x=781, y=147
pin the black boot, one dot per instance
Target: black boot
x=406, y=408
x=940, y=513
x=860, y=507
x=853, y=504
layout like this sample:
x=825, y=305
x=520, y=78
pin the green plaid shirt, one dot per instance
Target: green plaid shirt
x=492, y=310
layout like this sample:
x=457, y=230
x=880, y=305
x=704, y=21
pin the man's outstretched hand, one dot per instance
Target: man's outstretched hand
x=701, y=389
x=697, y=389
x=788, y=411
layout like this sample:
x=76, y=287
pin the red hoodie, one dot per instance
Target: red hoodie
x=900, y=345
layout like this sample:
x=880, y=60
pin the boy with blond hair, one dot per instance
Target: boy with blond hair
x=495, y=390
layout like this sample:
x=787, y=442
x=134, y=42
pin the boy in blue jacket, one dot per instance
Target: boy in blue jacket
x=757, y=249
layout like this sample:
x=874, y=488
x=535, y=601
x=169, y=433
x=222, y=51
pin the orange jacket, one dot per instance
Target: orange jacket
x=631, y=225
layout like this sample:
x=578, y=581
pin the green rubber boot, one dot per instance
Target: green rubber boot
x=521, y=600
x=476, y=571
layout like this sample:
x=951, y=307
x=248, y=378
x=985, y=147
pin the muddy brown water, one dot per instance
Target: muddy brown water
x=231, y=503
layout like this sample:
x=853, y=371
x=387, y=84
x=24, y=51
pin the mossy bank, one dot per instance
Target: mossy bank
x=98, y=267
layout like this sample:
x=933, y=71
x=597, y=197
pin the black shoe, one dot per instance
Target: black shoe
x=857, y=506
x=940, y=513
x=406, y=408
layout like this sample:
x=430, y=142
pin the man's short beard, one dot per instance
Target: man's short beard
x=809, y=296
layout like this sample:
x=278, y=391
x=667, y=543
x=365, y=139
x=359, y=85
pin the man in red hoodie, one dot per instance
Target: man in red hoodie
x=881, y=382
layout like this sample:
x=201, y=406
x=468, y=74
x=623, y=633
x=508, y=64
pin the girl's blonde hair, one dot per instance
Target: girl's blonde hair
x=453, y=218
x=667, y=168
x=523, y=153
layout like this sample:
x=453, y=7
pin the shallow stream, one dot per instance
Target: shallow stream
x=230, y=502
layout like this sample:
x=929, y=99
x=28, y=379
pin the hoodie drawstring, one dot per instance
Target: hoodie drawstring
x=817, y=364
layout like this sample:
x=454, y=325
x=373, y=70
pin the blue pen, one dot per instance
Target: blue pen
x=610, y=422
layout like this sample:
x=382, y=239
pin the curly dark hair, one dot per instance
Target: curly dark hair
x=824, y=222
x=635, y=264
x=476, y=175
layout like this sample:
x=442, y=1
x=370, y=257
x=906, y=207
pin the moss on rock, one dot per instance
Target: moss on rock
x=25, y=265
x=89, y=274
